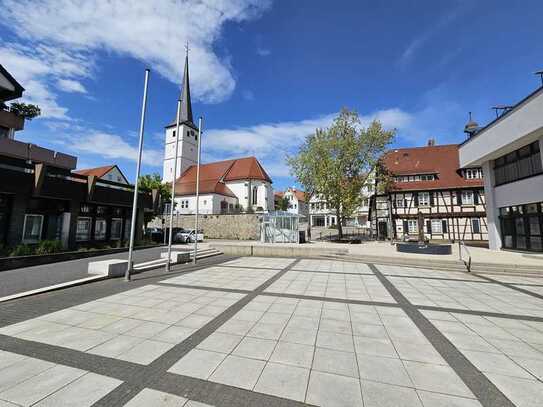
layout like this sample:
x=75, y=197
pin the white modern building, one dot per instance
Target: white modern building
x=229, y=186
x=509, y=151
x=322, y=214
x=297, y=201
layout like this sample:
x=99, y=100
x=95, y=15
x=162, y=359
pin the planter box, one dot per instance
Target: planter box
x=11, y=120
x=10, y=263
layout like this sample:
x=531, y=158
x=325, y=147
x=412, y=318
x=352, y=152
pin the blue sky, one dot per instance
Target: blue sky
x=264, y=73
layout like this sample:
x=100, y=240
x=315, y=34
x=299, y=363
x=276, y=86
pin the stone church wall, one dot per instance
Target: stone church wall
x=231, y=227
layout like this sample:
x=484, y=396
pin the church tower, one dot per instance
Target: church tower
x=187, y=152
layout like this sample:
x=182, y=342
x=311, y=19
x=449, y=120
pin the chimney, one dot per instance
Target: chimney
x=431, y=142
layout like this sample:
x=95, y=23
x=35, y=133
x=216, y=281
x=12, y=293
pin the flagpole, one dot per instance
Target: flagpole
x=172, y=205
x=197, y=188
x=138, y=168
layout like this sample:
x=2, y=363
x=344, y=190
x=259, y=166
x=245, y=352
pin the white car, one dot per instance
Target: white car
x=189, y=236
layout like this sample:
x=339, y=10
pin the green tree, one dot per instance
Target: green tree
x=26, y=110
x=149, y=182
x=282, y=204
x=337, y=162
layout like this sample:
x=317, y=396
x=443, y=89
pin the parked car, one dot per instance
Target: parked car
x=189, y=236
x=155, y=234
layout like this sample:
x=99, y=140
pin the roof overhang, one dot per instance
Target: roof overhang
x=521, y=125
x=9, y=87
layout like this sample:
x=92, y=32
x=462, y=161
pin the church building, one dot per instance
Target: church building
x=229, y=186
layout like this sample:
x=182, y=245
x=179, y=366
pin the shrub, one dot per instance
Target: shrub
x=22, y=250
x=49, y=247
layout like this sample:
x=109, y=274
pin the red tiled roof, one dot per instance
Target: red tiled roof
x=97, y=172
x=441, y=160
x=214, y=175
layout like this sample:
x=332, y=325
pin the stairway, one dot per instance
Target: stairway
x=153, y=264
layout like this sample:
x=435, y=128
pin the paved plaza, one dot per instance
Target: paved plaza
x=279, y=332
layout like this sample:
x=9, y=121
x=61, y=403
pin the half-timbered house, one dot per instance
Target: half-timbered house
x=427, y=183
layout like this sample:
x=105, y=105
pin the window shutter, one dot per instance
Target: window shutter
x=444, y=226
x=459, y=197
x=476, y=197
x=416, y=199
x=405, y=227
x=429, y=226
x=431, y=199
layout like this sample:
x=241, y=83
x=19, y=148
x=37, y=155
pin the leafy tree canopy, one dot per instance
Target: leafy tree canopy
x=26, y=110
x=149, y=182
x=337, y=162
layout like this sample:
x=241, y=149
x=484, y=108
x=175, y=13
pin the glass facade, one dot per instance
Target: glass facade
x=521, y=227
x=522, y=163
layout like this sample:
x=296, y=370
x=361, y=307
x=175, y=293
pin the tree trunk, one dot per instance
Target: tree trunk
x=339, y=225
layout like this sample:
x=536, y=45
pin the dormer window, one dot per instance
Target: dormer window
x=473, y=173
x=415, y=178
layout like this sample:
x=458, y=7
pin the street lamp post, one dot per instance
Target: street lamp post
x=168, y=260
x=138, y=168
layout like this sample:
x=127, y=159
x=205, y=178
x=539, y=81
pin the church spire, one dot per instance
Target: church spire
x=186, y=105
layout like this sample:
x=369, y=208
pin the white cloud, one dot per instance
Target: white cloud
x=152, y=32
x=112, y=146
x=263, y=52
x=36, y=68
x=271, y=142
x=71, y=86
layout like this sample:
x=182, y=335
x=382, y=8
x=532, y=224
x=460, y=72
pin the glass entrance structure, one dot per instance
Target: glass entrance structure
x=522, y=227
x=280, y=227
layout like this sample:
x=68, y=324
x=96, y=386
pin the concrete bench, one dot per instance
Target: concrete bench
x=109, y=268
x=176, y=257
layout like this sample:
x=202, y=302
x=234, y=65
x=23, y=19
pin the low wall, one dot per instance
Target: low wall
x=275, y=250
x=231, y=227
x=10, y=263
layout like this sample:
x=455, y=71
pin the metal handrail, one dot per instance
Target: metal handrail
x=462, y=244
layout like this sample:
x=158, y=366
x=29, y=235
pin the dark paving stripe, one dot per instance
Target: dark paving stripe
x=331, y=299
x=511, y=286
x=116, y=368
x=462, y=280
x=485, y=391
x=479, y=313
x=203, y=287
x=155, y=370
x=34, y=306
x=217, y=394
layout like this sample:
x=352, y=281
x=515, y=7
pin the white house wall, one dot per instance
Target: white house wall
x=264, y=193
x=208, y=204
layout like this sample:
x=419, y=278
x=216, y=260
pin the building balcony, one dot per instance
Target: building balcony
x=11, y=121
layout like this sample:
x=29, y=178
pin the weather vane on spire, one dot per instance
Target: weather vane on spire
x=187, y=48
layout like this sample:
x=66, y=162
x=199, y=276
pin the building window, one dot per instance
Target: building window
x=437, y=226
x=476, y=225
x=116, y=227
x=522, y=163
x=467, y=198
x=100, y=226
x=83, y=229
x=473, y=173
x=522, y=226
x=255, y=196
x=400, y=202
x=184, y=204
x=424, y=198
x=412, y=226
x=32, y=228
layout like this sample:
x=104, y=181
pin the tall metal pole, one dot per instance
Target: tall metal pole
x=172, y=205
x=138, y=168
x=197, y=188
